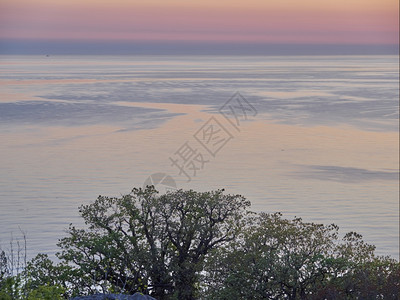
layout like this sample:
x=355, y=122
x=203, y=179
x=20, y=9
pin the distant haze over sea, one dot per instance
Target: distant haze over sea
x=44, y=47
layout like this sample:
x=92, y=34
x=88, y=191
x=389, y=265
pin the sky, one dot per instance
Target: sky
x=208, y=24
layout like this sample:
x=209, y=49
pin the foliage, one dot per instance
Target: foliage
x=193, y=245
x=275, y=258
x=47, y=278
x=150, y=243
x=44, y=292
x=12, y=263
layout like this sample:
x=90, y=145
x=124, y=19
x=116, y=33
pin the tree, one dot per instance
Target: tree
x=150, y=243
x=275, y=258
x=192, y=245
x=12, y=262
x=48, y=279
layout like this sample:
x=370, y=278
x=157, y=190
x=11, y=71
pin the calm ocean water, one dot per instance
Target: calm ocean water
x=315, y=137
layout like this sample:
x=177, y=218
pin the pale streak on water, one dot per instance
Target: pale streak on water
x=323, y=146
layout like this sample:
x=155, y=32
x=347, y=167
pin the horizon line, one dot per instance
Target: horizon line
x=68, y=47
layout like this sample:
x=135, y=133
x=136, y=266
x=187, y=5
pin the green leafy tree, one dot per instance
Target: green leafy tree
x=152, y=243
x=377, y=278
x=275, y=258
x=44, y=292
x=192, y=245
x=3, y=268
x=44, y=277
x=12, y=263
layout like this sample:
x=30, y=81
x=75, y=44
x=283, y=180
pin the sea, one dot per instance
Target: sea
x=315, y=137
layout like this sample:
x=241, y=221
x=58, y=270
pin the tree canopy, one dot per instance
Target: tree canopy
x=203, y=245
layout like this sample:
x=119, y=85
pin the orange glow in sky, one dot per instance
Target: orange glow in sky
x=283, y=21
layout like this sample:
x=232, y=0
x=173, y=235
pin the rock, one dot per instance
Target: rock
x=136, y=296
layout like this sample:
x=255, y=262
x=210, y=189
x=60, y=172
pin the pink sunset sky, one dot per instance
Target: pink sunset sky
x=362, y=22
